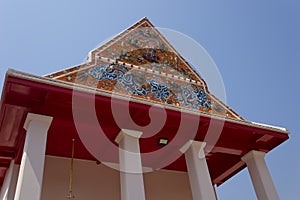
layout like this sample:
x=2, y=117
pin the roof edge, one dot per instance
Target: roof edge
x=53, y=82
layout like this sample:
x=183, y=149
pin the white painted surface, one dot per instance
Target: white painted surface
x=200, y=181
x=131, y=172
x=260, y=176
x=30, y=177
x=7, y=181
x=13, y=183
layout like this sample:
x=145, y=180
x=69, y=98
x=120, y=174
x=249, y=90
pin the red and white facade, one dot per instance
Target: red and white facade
x=38, y=124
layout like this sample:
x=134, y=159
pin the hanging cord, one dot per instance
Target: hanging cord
x=70, y=195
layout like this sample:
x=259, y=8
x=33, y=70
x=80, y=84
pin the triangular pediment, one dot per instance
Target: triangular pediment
x=142, y=64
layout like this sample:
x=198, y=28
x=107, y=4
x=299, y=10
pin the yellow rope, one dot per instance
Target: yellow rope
x=70, y=196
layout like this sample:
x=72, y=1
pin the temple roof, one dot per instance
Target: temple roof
x=153, y=75
x=141, y=64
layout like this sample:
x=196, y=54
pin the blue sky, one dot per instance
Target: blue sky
x=255, y=45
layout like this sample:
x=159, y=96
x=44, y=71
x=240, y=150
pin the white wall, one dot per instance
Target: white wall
x=92, y=181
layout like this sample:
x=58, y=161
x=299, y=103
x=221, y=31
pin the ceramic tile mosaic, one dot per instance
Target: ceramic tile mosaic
x=140, y=63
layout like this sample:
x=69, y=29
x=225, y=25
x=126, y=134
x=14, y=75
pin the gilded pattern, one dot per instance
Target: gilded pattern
x=141, y=64
x=121, y=79
x=143, y=46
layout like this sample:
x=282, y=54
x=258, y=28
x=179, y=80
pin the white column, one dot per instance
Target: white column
x=30, y=177
x=7, y=181
x=13, y=183
x=200, y=181
x=131, y=173
x=260, y=175
x=9, y=186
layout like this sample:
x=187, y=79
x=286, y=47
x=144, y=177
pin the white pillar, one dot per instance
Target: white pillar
x=9, y=185
x=30, y=177
x=7, y=181
x=260, y=175
x=200, y=181
x=131, y=172
x=13, y=183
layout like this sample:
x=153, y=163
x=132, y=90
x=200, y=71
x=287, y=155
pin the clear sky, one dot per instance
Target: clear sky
x=255, y=44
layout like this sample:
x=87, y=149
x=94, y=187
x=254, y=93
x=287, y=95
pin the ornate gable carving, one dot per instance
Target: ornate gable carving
x=142, y=64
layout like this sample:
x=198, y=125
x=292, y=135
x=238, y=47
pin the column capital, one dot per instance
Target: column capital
x=199, y=147
x=260, y=175
x=43, y=118
x=253, y=154
x=131, y=172
x=127, y=132
x=30, y=178
x=198, y=171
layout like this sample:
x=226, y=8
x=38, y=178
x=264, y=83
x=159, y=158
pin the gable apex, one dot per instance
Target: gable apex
x=136, y=63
